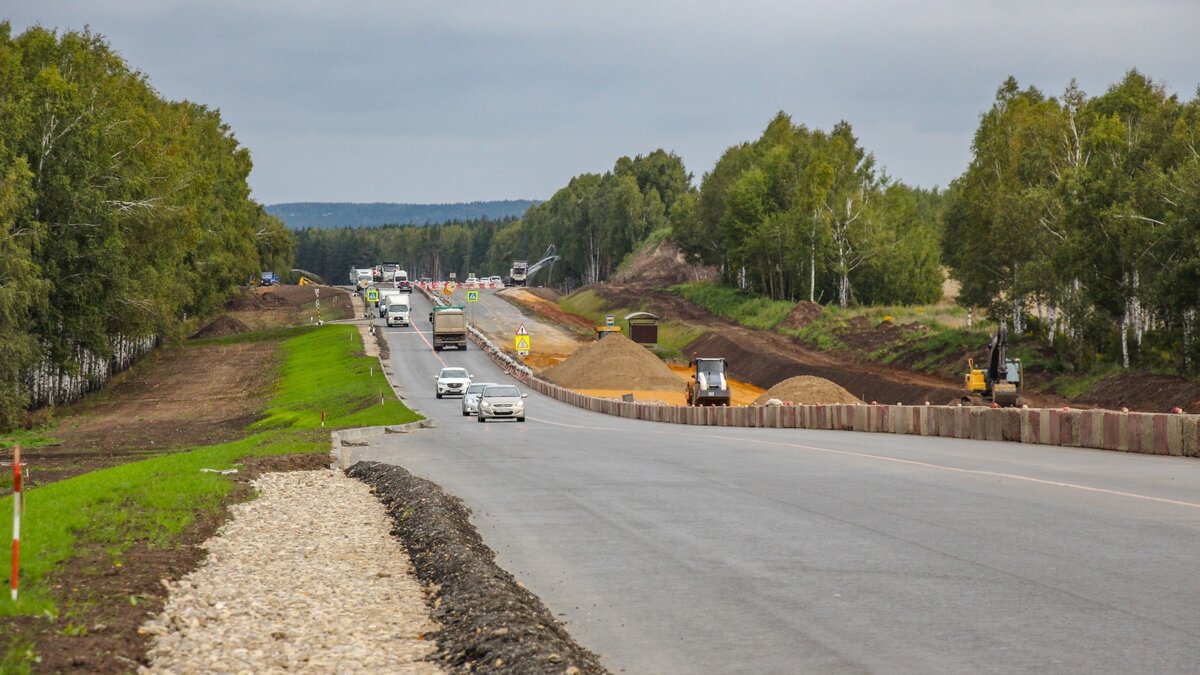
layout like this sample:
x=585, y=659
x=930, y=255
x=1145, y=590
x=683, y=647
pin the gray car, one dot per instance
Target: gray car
x=470, y=399
x=500, y=401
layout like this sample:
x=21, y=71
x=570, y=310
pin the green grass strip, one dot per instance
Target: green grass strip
x=156, y=499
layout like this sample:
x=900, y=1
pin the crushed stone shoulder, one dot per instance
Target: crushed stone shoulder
x=305, y=578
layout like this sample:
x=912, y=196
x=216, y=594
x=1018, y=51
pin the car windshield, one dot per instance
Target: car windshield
x=454, y=372
x=497, y=392
x=397, y=308
x=477, y=387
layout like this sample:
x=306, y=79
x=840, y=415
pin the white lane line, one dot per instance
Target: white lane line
x=975, y=472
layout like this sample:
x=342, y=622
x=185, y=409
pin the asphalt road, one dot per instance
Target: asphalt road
x=690, y=550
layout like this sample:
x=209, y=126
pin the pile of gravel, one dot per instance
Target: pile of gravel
x=490, y=624
x=614, y=362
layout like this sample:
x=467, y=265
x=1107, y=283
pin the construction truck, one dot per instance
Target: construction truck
x=449, y=327
x=1000, y=382
x=708, y=385
x=517, y=273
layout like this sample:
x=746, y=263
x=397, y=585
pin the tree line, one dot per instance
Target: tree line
x=1078, y=221
x=121, y=214
x=802, y=213
x=593, y=223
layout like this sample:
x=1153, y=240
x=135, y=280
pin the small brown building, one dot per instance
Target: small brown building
x=643, y=328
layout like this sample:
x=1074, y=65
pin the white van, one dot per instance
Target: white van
x=386, y=295
x=397, y=310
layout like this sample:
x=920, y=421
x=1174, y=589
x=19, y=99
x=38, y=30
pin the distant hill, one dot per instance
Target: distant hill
x=299, y=215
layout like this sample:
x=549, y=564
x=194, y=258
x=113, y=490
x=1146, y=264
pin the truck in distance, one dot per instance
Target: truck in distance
x=517, y=273
x=449, y=328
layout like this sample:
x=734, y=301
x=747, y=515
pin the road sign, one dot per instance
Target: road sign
x=521, y=330
x=609, y=320
x=372, y=295
x=448, y=290
x=472, y=296
x=522, y=344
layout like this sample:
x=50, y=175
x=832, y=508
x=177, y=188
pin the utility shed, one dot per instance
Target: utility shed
x=643, y=328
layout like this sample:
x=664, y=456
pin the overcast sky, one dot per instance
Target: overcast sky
x=461, y=101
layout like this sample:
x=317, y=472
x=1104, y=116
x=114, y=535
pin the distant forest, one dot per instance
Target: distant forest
x=299, y=215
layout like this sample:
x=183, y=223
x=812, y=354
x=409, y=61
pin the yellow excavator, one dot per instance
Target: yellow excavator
x=1001, y=381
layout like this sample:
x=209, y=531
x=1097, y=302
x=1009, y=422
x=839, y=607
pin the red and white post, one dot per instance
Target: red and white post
x=16, y=558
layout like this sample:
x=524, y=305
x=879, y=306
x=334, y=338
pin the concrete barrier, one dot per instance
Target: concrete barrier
x=1149, y=433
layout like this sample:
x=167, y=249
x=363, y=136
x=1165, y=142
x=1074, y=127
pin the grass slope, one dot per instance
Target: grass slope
x=156, y=499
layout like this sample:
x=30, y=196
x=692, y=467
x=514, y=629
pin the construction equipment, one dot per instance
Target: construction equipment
x=708, y=385
x=1001, y=381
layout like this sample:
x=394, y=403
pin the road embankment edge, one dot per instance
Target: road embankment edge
x=489, y=622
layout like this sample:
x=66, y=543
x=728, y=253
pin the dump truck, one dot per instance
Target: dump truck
x=708, y=385
x=1001, y=381
x=517, y=273
x=449, y=327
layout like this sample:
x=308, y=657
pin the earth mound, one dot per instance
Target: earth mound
x=252, y=300
x=614, y=362
x=664, y=265
x=220, y=327
x=808, y=390
x=805, y=313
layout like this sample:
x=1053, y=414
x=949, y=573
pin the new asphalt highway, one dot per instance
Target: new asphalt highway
x=674, y=549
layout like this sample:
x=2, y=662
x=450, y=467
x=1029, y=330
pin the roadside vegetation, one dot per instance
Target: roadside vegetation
x=748, y=309
x=150, y=503
x=673, y=336
x=123, y=217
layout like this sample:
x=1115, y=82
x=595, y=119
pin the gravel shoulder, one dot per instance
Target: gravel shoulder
x=305, y=578
x=490, y=622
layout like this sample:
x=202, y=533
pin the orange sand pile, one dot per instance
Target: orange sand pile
x=615, y=362
x=807, y=389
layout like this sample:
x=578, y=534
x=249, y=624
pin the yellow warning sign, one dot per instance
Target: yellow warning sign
x=304, y=281
x=522, y=343
x=372, y=295
x=448, y=290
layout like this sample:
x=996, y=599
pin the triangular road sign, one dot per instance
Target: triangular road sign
x=521, y=330
x=522, y=343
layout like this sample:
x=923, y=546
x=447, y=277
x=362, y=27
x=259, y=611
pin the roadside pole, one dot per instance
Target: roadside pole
x=16, y=507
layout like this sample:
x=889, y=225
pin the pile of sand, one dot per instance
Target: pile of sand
x=808, y=390
x=220, y=327
x=614, y=362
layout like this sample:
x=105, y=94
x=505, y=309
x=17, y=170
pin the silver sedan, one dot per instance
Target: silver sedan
x=470, y=399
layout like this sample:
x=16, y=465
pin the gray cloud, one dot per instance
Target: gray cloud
x=432, y=101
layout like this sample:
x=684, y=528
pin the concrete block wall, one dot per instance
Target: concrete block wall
x=1148, y=433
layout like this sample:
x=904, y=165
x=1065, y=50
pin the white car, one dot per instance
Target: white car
x=496, y=281
x=452, y=382
x=501, y=401
x=470, y=399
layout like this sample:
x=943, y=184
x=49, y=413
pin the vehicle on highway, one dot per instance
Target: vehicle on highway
x=495, y=281
x=501, y=401
x=397, y=311
x=449, y=328
x=470, y=399
x=401, y=282
x=452, y=381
